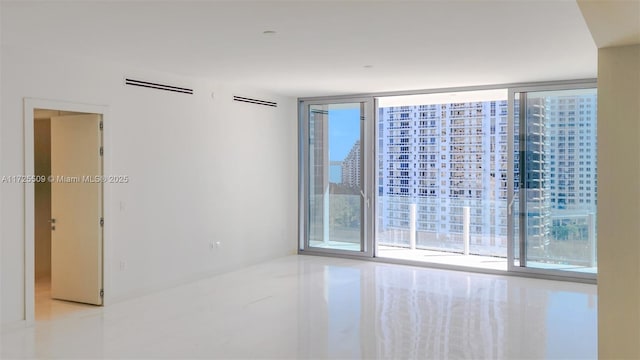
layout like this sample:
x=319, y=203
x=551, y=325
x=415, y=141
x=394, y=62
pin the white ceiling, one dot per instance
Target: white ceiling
x=321, y=47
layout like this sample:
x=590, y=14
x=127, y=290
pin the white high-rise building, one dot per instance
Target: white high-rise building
x=351, y=167
x=572, y=152
x=572, y=177
x=444, y=158
x=447, y=157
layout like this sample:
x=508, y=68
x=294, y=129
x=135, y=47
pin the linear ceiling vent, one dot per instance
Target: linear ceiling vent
x=255, y=101
x=151, y=85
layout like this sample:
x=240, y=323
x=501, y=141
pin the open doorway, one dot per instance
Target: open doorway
x=55, y=133
x=443, y=185
x=66, y=214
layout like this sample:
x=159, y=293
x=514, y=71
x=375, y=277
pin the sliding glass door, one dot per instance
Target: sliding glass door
x=335, y=190
x=555, y=180
x=495, y=179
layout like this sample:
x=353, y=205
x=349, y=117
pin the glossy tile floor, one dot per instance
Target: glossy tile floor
x=50, y=309
x=316, y=307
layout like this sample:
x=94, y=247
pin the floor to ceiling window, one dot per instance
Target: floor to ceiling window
x=557, y=160
x=442, y=177
x=500, y=178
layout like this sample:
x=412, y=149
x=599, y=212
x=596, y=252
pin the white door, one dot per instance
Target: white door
x=76, y=208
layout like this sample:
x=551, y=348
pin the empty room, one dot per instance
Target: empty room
x=320, y=179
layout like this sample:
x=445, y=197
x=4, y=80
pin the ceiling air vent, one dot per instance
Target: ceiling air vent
x=255, y=101
x=151, y=85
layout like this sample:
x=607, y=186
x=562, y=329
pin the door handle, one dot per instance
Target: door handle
x=510, y=206
x=366, y=199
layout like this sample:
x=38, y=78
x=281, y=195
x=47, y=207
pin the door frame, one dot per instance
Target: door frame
x=366, y=166
x=30, y=104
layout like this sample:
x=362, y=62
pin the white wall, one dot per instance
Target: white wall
x=201, y=170
x=619, y=202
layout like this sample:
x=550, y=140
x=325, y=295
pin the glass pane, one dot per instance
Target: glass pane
x=559, y=162
x=515, y=204
x=335, y=179
x=442, y=177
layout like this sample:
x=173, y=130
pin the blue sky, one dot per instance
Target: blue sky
x=344, y=131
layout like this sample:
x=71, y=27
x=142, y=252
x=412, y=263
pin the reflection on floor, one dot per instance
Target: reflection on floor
x=305, y=307
x=50, y=309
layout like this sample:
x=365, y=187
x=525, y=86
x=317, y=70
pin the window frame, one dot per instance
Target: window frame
x=372, y=185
